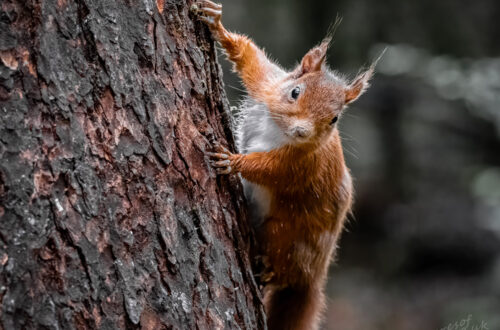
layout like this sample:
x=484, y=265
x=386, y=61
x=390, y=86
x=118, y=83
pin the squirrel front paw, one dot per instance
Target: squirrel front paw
x=211, y=14
x=221, y=160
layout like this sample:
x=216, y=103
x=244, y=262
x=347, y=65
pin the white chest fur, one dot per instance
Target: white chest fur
x=257, y=132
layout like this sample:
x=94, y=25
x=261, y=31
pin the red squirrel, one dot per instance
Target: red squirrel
x=293, y=168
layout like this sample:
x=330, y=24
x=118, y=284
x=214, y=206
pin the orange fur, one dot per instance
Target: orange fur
x=254, y=68
x=310, y=195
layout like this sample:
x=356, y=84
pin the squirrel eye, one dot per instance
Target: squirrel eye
x=334, y=120
x=295, y=93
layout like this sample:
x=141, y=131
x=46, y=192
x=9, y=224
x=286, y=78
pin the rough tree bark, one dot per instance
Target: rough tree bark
x=110, y=216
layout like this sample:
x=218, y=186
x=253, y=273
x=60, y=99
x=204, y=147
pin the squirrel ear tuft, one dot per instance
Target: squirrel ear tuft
x=314, y=59
x=359, y=85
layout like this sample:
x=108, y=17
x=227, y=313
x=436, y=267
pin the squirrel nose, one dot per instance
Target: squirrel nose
x=299, y=131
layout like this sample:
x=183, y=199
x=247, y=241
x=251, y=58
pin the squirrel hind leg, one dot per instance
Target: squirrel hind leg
x=293, y=308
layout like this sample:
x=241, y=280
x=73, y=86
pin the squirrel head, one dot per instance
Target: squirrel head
x=307, y=103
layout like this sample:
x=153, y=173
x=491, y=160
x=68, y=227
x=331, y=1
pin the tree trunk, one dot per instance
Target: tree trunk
x=110, y=215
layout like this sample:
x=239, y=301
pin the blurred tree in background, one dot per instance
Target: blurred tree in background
x=422, y=251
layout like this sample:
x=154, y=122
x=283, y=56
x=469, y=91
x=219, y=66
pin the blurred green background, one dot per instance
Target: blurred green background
x=423, y=144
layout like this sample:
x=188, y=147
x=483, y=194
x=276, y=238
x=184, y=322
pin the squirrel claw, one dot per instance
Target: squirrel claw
x=215, y=13
x=221, y=159
x=226, y=170
x=222, y=163
x=267, y=277
x=221, y=149
x=211, y=13
x=210, y=4
x=217, y=155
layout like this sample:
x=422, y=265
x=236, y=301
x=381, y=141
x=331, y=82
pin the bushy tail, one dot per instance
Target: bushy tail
x=294, y=308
